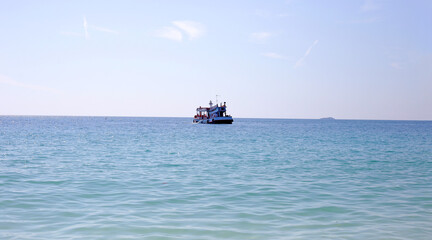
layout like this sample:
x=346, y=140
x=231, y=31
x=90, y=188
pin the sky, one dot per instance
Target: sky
x=359, y=59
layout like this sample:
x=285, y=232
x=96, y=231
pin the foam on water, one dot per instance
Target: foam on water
x=163, y=178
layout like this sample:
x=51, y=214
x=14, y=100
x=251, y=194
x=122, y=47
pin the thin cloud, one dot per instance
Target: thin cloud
x=75, y=34
x=370, y=5
x=395, y=65
x=262, y=13
x=301, y=60
x=87, y=27
x=181, y=28
x=86, y=34
x=102, y=29
x=283, y=15
x=365, y=20
x=192, y=29
x=170, y=33
x=274, y=55
x=260, y=36
x=7, y=81
x=268, y=14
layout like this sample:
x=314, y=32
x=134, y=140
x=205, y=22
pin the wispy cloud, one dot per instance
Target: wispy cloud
x=260, y=36
x=85, y=28
x=102, y=29
x=170, y=33
x=262, y=13
x=96, y=28
x=301, y=60
x=396, y=65
x=8, y=81
x=268, y=14
x=370, y=5
x=274, y=55
x=365, y=20
x=75, y=34
x=283, y=15
x=191, y=29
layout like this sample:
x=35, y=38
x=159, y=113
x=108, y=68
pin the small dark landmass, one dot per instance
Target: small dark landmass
x=327, y=118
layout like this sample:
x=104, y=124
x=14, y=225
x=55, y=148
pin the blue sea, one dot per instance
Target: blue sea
x=166, y=178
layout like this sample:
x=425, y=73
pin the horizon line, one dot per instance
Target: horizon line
x=275, y=118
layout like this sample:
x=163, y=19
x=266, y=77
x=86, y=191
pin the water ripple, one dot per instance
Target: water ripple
x=160, y=178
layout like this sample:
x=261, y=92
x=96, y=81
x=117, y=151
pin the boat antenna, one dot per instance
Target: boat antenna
x=217, y=99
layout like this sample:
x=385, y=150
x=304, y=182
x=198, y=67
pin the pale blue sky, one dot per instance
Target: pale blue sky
x=269, y=59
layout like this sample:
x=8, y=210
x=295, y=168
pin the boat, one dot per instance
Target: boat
x=214, y=114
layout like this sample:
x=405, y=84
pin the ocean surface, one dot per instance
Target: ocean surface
x=166, y=178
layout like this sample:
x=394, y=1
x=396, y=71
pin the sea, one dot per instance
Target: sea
x=166, y=178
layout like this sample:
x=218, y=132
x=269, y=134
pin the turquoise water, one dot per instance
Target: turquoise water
x=165, y=178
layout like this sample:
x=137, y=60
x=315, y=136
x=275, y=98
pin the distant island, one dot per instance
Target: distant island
x=327, y=118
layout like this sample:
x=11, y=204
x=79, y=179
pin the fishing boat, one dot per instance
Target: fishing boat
x=214, y=114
